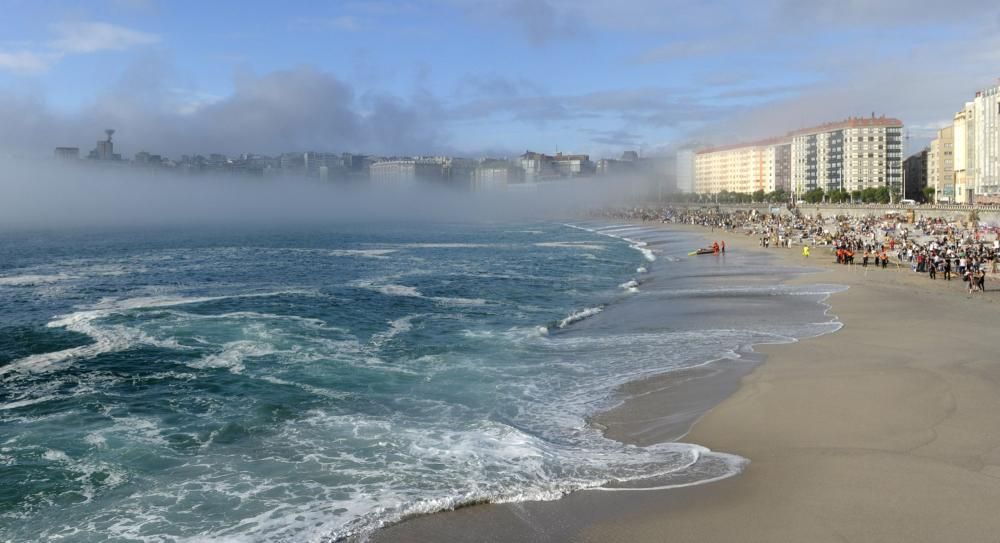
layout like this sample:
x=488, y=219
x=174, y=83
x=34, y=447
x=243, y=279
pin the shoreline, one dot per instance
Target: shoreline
x=801, y=454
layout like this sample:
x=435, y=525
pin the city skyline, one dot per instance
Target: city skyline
x=464, y=77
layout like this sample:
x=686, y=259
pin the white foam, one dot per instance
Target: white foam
x=641, y=269
x=572, y=245
x=107, y=339
x=232, y=356
x=25, y=402
x=95, y=439
x=633, y=244
x=445, y=245
x=364, y=253
x=391, y=289
x=396, y=327
x=29, y=280
x=734, y=465
x=579, y=316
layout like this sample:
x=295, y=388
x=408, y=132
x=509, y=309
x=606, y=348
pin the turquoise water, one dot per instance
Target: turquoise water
x=312, y=383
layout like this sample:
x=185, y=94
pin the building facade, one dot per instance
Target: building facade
x=67, y=153
x=941, y=165
x=915, y=175
x=964, y=127
x=684, y=170
x=987, y=143
x=496, y=175
x=742, y=168
x=850, y=155
x=404, y=172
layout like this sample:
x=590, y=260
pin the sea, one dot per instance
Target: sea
x=317, y=382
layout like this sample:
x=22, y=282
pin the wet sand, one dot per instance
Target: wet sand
x=888, y=430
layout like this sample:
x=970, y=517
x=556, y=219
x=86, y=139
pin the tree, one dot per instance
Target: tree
x=838, y=196
x=928, y=194
x=856, y=196
x=813, y=196
x=882, y=195
x=758, y=195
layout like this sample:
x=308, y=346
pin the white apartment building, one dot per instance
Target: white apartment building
x=404, y=172
x=964, y=126
x=742, y=168
x=496, y=175
x=987, y=142
x=685, y=170
x=850, y=155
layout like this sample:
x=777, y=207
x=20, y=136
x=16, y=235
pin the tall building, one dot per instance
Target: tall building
x=405, y=172
x=537, y=166
x=105, y=149
x=572, y=165
x=67, y=153
x=742, y=168
x=496, y=175
x=915, y=175
x=964, y=127
x=941, y=165
x=987, y=143
x=610, y=166
x=459, y=172
x=849, y=155
x=685, y=170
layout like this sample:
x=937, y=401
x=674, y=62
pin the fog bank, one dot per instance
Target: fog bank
x=51, y=195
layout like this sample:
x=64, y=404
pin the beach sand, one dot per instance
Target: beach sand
x=888, y=430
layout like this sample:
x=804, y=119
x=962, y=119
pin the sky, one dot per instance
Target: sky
x=478, y=77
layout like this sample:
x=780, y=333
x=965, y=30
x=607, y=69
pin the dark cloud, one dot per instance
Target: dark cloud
x=290, y=110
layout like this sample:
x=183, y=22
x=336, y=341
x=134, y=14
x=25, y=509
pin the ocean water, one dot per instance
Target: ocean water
x=315, y=383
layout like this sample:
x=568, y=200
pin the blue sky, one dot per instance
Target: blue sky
x=475, y=77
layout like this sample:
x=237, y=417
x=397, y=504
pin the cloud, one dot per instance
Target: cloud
x=297, y=109
x=91, y=37
x=651, y=107
x=26, y=62
x=541, y=21
x=73, y=38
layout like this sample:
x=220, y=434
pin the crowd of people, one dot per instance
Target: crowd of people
x=933, y=246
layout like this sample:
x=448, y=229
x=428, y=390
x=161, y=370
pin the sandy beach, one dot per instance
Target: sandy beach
x=887, y=430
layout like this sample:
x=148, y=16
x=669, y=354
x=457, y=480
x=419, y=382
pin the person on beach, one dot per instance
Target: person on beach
x=805, y=251
x=715, y=247
x=932, y=270
x=723, y=247
x=947, y=269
